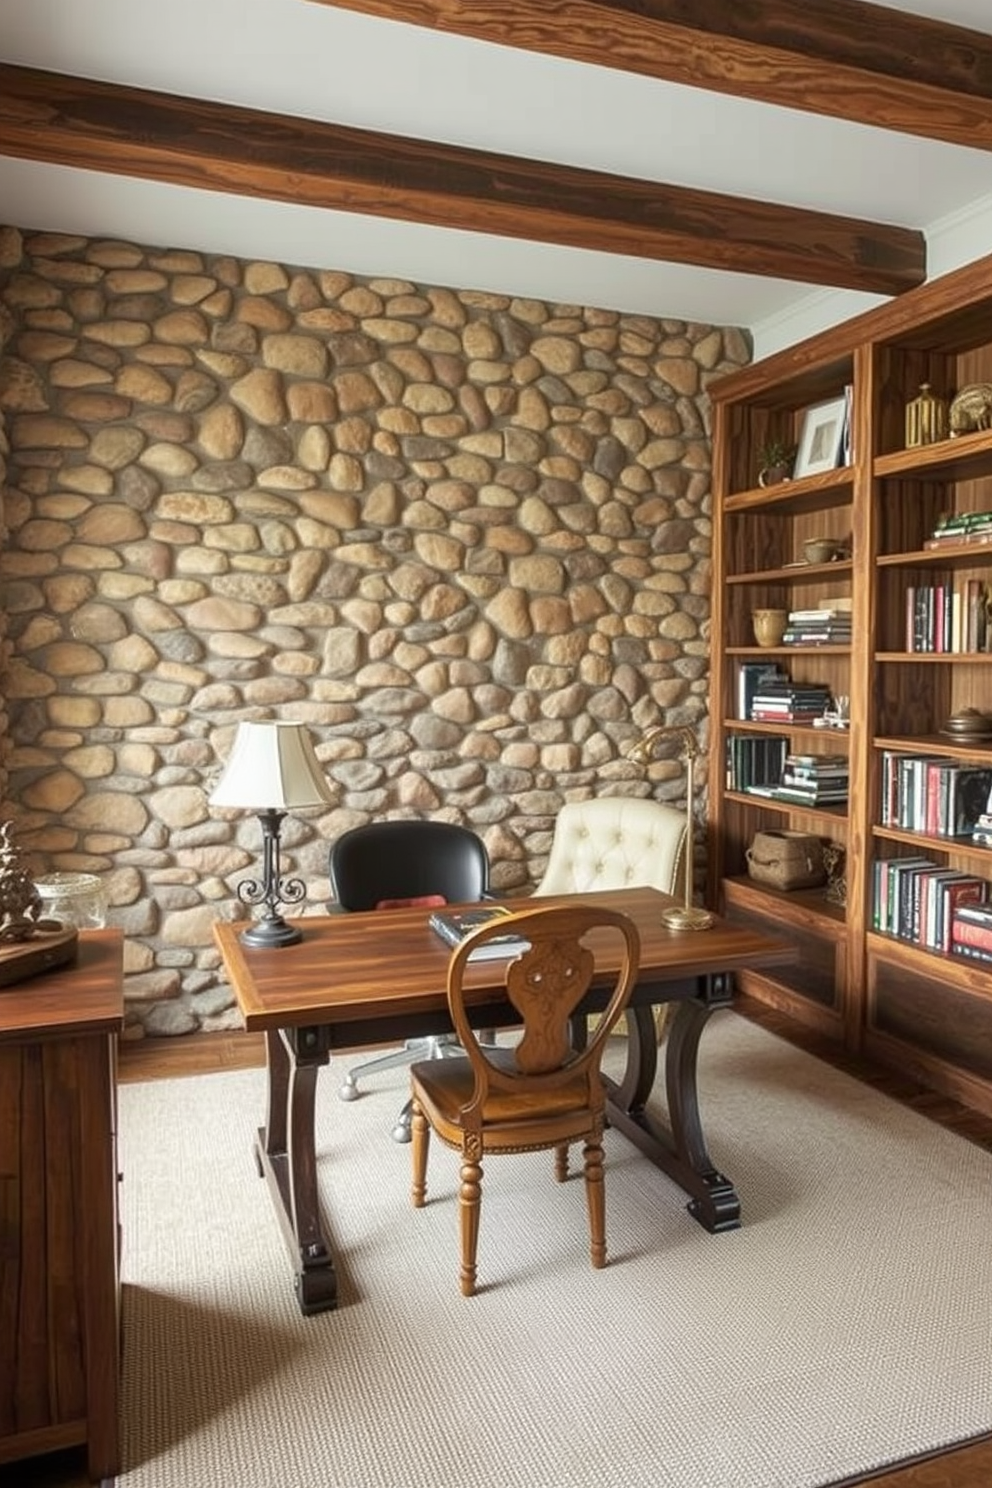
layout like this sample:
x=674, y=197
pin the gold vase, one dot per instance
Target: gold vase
x=769, y=626
x=926, y=418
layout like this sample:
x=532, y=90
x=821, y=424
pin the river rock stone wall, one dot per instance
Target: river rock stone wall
x=464, y=537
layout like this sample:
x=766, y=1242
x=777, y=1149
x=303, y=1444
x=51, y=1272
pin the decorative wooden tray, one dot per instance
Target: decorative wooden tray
x=46, y=949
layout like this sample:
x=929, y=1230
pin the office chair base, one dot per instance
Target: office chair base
x=403, y=1130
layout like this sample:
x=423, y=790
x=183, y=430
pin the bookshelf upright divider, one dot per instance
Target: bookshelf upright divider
x=879, y=969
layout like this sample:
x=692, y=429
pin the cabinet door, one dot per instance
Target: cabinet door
x=58, y=1294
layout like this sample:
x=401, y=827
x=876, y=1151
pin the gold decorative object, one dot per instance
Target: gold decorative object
x=769, y=626
x=971, y=409
x=926, y=418
x=687, y=916
x=834, y=860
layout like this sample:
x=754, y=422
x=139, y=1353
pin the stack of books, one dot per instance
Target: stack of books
x=971, y=931
x=961, y=527
x=828, y=627
x=750, y=676
x=780, y=700
x=814, y=779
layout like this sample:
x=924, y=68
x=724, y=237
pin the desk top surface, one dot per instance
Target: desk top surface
x=85, y=996
x=393, y=960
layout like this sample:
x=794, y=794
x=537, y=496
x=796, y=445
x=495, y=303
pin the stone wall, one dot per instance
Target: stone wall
x=464, y=537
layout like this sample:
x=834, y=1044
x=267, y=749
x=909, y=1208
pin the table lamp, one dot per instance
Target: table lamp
x=687, y=916
x=272, y=769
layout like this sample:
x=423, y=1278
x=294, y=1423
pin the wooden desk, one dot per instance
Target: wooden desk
x=59, y=1335
x=352, y=981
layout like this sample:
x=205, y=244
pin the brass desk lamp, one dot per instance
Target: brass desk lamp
x=687, y=916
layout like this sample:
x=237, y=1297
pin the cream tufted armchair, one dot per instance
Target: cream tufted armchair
x=617, y=842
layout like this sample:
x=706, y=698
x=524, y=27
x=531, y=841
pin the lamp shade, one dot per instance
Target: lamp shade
x=272, y=766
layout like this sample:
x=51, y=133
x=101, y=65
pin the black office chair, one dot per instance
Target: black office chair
x=390, y=863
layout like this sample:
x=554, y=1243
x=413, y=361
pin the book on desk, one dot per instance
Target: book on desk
x=452, y=925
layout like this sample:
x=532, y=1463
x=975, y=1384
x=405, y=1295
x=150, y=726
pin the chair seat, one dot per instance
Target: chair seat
x=534, y=1119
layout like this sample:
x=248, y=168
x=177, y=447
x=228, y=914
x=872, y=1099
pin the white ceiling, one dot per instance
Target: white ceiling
x=315, y=61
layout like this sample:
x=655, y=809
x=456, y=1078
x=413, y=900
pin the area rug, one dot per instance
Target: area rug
x=845, y=1326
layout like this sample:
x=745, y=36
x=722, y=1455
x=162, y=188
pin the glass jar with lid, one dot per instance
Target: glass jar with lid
x=77, y=899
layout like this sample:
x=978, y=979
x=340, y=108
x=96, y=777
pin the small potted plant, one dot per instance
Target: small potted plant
x=775, y=461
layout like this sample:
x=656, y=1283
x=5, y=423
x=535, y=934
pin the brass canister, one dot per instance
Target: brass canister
x=926, y=418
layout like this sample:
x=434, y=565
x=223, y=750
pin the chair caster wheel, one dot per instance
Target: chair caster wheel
x=349, y=1090
x=401, y=1131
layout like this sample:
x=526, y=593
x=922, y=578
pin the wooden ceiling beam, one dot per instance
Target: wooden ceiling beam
x=841, y=58
x=216, y=147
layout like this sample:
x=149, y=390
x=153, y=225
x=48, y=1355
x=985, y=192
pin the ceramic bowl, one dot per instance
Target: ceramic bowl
x=820, y=549
x=969, y=723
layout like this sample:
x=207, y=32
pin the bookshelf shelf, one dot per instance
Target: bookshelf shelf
x=924, y=1009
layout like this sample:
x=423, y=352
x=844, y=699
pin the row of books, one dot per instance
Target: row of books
x=948, y=618
x=932, y=794
x=755, y=760
x=918, y=900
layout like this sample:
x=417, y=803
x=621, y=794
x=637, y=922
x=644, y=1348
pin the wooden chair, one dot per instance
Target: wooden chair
x=540, y=1092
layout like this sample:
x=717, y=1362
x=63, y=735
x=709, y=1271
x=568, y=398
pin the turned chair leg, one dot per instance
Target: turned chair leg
x=596, y=1201
x=420, y=1133
x=469, y=1203
x=561, y=1162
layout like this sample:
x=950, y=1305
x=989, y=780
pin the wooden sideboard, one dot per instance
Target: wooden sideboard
x=59, y=1330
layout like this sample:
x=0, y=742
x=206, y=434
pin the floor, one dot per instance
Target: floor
x=965, y=1467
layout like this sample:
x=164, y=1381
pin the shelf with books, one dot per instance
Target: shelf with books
x=935, y=744
x=827, y=816
x=807, y=731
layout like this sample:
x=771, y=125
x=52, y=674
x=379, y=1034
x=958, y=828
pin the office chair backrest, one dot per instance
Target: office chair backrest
x=616, y=842
x=402, y=862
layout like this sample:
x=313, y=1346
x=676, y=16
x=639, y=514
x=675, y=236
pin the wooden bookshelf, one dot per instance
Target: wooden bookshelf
x=927, y=1013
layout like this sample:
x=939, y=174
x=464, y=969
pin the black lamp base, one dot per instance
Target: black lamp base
x=269, y=933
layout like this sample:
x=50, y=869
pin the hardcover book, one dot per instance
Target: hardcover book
x=452, y=925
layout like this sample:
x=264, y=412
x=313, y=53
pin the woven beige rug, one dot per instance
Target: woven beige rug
x=845, y=1326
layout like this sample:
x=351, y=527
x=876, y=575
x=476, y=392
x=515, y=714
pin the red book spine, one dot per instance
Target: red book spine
x=964, y=932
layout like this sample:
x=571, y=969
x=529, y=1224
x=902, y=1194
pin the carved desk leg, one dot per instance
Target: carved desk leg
x=715, y=1202
x=285, y=1152
x=677, y=1146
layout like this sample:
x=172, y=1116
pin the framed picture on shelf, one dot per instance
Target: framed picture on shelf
x=822, y=437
